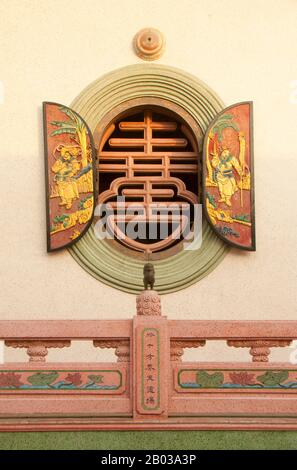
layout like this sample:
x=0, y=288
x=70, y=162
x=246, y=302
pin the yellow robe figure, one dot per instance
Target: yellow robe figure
x=224, y=166
x=66, y=167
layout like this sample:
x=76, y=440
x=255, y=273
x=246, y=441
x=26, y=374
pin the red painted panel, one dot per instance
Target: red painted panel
x=228, y=179
x=69, y=168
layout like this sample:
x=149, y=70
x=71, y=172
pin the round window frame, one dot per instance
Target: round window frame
x=148, y=84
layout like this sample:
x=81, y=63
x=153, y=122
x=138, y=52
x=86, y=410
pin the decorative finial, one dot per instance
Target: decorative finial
x=149, y=44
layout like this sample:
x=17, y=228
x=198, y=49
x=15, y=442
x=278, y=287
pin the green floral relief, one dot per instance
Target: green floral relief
x=237, y=379
x=271, y=378
x=206, y=380
x=43, y=378
x=61, y=380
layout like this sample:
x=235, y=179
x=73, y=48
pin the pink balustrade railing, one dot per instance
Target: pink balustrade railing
x=149, y=387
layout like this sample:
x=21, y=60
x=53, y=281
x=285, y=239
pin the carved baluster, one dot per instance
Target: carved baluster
x=260, y=348
x=121, y=346
x=123, y=351
x=176, y=350
x=37, y=350
x=177, y=347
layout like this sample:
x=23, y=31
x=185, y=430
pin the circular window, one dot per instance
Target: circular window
x=148, y=173
x=139, y=160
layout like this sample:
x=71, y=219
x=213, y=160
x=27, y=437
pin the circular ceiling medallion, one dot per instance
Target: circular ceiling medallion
x=149, y=84
x=149, y=44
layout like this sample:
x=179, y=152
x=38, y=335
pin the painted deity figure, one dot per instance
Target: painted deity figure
x=66, y=169
x=224, y=166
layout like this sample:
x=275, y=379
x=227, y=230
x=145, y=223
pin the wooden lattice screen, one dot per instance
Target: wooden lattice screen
x=149, y=158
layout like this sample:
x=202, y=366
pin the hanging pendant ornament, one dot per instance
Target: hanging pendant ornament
x=149, y=44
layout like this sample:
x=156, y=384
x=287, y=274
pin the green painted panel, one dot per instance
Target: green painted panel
x=165, y=440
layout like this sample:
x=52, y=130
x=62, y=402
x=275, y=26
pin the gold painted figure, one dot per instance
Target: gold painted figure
x=224, y=166
x=66, y=168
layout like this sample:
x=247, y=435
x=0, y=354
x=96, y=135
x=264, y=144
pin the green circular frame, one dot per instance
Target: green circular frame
x=97, y=257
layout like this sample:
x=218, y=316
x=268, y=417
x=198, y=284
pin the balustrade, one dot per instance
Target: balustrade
x=149, y=386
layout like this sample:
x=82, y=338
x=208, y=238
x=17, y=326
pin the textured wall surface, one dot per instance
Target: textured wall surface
x=51, y=50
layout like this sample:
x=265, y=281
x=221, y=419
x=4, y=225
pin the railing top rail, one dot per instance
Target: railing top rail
x=230, y=329
x=187, y=329
x=65, y=329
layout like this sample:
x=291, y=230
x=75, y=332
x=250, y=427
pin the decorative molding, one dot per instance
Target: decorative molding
x=259, y=349
x=37, y=350
x=166, y=85
x=177, y=347
x=198, y=423
x=148, y=303
x=149, y=44
x=122, y=347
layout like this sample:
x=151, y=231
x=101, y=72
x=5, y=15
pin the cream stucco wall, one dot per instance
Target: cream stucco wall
x=52, y=49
